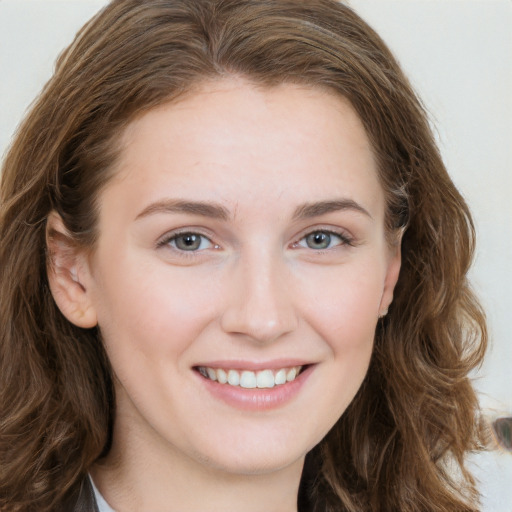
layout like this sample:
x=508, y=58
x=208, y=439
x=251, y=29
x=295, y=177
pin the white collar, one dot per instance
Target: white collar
x=103, y=506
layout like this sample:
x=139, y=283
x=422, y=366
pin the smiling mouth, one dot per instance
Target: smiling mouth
x=263, y=379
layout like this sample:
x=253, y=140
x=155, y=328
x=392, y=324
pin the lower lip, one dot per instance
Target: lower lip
x=257, y=399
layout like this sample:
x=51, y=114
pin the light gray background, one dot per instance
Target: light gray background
x=458, y=54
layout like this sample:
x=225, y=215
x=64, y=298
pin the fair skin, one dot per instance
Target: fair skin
x=243, y=231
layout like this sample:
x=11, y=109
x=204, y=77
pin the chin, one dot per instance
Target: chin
x=253, y=459
x=252, y=464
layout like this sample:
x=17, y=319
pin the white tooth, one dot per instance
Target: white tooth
x=248, y=380
x=233, y=378
x=211, y=374
x=265, y=379
x=222, y=376
x=280, y=377
x=202, y=371
x=292, y=373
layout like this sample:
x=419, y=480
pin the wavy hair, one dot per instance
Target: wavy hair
x=401, y=443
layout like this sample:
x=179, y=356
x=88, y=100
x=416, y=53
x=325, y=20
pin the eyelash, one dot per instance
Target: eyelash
x=345, y=240
x=170, y=238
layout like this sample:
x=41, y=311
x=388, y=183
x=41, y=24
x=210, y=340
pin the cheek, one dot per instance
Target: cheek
x=157, y=309
x=342, y=304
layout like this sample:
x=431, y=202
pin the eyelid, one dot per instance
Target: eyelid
x=164, y=241
x=346, y=238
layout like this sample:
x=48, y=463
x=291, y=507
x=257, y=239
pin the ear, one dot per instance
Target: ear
x=68, y=271
x=392, y=273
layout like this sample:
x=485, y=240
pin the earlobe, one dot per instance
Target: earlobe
x=68, y=275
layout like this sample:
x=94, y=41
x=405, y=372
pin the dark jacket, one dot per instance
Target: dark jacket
x=82, y=499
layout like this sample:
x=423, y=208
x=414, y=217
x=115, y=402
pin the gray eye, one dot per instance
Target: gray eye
x=187, y=242
x=318, y=240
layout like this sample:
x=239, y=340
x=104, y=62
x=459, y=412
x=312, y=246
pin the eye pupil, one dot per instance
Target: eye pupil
x=318, y=240
x=188, y=242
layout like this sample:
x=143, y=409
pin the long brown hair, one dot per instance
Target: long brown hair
x=401, y=443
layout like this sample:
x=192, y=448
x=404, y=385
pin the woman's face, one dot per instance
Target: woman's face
x=242, y=238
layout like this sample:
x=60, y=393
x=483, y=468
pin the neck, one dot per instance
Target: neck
x=134, y=476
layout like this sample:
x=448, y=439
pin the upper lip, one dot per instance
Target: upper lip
x=274, y=364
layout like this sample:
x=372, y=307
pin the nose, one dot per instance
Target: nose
x=259, y=304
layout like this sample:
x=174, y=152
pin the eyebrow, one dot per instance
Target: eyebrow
x=204, y=209
x=217, y=211
x=309, y=210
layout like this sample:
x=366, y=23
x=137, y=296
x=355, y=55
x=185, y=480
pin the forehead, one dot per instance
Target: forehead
x=230, y=140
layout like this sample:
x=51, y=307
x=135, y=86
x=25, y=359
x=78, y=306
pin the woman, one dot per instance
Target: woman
x=240, y=273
